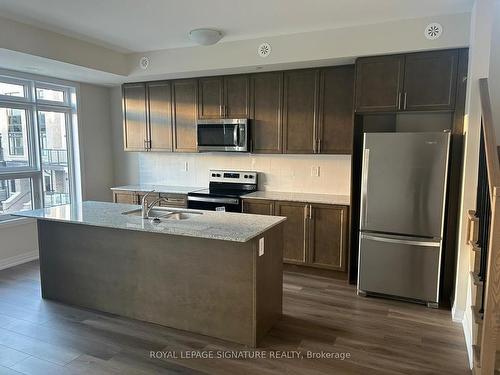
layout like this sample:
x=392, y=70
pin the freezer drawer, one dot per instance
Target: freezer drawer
x=399, y=266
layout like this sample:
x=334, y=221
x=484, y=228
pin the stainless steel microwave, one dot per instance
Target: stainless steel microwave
x=223, y=135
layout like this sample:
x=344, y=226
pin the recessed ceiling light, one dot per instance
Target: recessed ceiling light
x=205, y=37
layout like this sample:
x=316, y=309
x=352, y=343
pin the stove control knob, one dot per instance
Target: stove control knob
x=218, y=174
x=213, y=174
x=250, y=176
x=246, y=176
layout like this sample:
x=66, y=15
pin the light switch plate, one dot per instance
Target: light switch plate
x=261, y=246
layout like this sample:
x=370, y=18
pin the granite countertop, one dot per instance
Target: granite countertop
x=227, y=226
x=158, y=188
x=300, y=197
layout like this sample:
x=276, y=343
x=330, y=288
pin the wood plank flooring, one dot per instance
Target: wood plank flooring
x=320, y=315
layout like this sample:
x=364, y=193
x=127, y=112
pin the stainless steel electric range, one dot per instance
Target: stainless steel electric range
x=224, y=191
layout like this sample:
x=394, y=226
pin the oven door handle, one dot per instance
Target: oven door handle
x=214, y=200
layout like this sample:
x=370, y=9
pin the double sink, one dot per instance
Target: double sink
x=159, y=213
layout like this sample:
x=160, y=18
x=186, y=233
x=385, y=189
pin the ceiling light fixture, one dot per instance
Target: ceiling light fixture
x=205, y=37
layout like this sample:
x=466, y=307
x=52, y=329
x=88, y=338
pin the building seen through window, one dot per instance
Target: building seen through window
x=35, y=120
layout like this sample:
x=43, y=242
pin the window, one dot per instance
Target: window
x=15, y=195
x=10, y=89
x=36, y=123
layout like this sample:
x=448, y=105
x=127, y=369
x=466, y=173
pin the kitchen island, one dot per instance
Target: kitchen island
x=213, y=273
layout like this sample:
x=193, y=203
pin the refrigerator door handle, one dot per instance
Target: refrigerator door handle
x=416, y=242
x=364, y=185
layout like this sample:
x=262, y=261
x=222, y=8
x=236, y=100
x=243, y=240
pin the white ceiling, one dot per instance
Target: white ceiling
x=147, y=25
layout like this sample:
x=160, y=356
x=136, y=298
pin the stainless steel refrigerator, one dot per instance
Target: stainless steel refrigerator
x=402, y=214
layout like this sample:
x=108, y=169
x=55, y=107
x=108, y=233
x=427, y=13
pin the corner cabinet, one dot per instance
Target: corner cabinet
x=422, y=81
x=160, y=116
x=135, y=117
x=184, y=99
x=314, y=235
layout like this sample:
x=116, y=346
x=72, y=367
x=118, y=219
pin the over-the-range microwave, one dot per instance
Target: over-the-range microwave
x=223, y=135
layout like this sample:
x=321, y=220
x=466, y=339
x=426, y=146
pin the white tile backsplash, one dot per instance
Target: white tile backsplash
x=278, y=172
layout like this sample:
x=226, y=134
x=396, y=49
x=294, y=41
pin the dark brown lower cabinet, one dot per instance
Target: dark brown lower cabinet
x=295, y=231
x=258, y=207
x=314, y=235
x=328, y=231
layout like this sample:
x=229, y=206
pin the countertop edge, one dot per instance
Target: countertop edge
x=218, y=238
x=288, y=199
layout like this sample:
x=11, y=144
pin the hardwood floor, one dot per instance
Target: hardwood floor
x=320, y=315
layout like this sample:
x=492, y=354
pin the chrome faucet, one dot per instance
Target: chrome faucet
x=147, y=207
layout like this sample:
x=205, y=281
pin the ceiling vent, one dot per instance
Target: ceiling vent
x=433, y=31
x=264, y=50
x=144, y=62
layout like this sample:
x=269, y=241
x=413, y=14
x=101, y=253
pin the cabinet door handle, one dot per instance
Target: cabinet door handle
x=398, y=99
x=220, y=110
x=319, y=146
x=145, y=144
x=404, y=105
x=310, y=212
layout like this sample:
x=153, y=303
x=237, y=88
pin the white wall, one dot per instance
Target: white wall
x=24, y=47
x=18, y=243
x=279, y=172
x=96, y=142
x=310, y=48
x=494, y=73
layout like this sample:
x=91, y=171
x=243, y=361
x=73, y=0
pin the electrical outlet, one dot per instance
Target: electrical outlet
x=261, y=246
x=315, y=171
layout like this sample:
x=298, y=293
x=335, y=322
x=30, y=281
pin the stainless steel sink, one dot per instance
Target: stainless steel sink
x=165, y=214
x=181, y=215
x=155, y=212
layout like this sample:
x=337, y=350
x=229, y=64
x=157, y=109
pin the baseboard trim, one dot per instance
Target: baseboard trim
x=18, y=259
x=467, y=328
x=457, y=315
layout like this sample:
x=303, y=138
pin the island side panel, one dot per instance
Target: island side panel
x=268, y=281
x=197, y=285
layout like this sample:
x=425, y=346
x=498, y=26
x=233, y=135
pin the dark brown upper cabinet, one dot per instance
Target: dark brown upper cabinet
x=336, y=99
x=300, y=105
x=379, y=83
x=224, y=97
x=267, y=100
x=160, y=116
x=236, y=96
x=210, y=97
x=135, y=134
x=423, y=81
x=184, y=95
x=430, y=81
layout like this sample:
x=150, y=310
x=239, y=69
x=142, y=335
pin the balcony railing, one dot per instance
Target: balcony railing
x=52, y=199
x=52, y=156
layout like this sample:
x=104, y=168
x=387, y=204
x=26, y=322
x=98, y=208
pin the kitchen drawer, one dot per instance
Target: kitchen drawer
x=173, y=200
